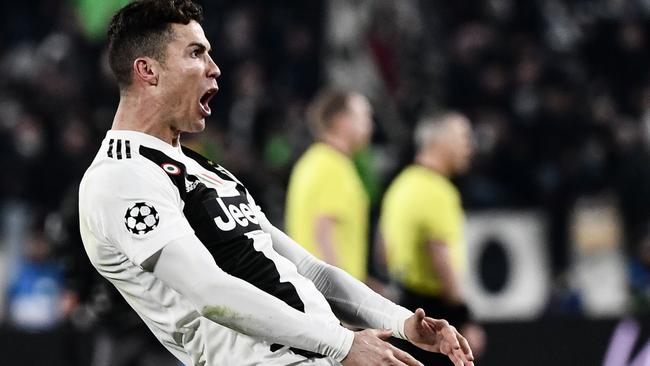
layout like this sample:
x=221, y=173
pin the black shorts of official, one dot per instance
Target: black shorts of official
x=434, y=307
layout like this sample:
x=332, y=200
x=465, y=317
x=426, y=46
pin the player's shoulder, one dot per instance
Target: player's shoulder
x=417, y=175
x=109, y=171
x=430, y=185
x=319, y=162
x=414, y=183
x=120, y=165
x=324, y=153
x=110, y=177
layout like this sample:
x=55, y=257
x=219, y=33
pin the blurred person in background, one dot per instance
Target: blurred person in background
x=421, y=226
x=35, y=294
x=327, y=207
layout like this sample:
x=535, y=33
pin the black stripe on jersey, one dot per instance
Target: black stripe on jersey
x=127, y=144
x=202, y=160
x=110, y=148
x=118, y=149
x=209, y=165
x=232, y=250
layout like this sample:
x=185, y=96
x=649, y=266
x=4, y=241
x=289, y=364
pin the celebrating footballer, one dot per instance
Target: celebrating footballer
x=185, y=244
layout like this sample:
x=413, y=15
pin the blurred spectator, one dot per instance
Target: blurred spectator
x=35, y=292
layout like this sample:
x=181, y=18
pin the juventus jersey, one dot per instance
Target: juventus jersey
x=141, y=193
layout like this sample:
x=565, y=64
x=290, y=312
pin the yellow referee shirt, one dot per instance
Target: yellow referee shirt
x=421, y=205
x=324, y=182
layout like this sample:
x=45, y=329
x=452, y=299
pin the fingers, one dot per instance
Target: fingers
x=387, y=353
x=419, y=315
x=453, y=344
x=464, y=346
x=438, y=324
x=383, y=334
x=449, y=333
x=405, y=357
x=456, y=359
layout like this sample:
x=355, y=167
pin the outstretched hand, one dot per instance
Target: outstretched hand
x=436, y=335
x=370, y=348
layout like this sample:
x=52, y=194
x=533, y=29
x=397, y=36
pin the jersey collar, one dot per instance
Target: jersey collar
x=142, y=139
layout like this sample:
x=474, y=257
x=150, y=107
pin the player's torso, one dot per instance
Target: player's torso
x=225, y=218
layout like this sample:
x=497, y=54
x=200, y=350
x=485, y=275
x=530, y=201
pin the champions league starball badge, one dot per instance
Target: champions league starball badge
x=141, y=218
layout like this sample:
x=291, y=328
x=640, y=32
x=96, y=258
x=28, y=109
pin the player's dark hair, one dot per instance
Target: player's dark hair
x=327, y=105
x=143, y=28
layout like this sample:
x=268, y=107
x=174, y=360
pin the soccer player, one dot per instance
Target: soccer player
x=185, y=244
x=421, y=225
x=327, y=207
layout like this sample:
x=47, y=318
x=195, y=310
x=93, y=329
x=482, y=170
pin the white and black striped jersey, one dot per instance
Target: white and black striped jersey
x=141, y=193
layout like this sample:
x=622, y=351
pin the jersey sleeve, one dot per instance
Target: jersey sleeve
x=136, y=208
x=351, y=300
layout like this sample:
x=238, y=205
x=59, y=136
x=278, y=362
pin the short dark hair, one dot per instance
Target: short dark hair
x=325, y=107
x=143, y=28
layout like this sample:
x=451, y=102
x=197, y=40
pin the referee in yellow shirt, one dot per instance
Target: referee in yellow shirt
x=421, y=226
x=327, y=207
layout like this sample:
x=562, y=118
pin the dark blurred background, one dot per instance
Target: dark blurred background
x=558, y=198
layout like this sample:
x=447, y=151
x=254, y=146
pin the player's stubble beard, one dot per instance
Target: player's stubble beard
x=185, y=117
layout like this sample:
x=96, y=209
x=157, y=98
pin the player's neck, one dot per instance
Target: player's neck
x=338, y=143
x=135, y=114
x=434, y=163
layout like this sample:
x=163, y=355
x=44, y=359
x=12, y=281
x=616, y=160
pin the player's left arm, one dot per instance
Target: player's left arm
x=356, y=304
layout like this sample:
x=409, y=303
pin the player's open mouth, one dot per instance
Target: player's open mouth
x=205, y=101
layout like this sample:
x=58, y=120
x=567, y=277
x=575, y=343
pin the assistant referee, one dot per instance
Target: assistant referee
x=421, y=225
x=327, y=206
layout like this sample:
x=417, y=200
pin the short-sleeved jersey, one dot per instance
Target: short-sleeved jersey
x=141, y=193
x=324, y=182
x=421, y=206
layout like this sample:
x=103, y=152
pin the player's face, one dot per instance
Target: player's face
x=188, y=78
x=461, y=144
x=360, y=120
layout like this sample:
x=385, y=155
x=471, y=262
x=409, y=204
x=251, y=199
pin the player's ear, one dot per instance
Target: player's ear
x=146, y=70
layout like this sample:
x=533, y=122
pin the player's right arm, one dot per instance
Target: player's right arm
x=185, y=265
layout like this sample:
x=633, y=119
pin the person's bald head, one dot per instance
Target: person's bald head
x=446, y=139
x=344, y=114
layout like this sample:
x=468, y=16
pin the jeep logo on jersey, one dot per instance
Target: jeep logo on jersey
x=141, y=218
x=229, y=212
x=241, y=214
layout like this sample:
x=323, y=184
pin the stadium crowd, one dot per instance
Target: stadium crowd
x=558, y=93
